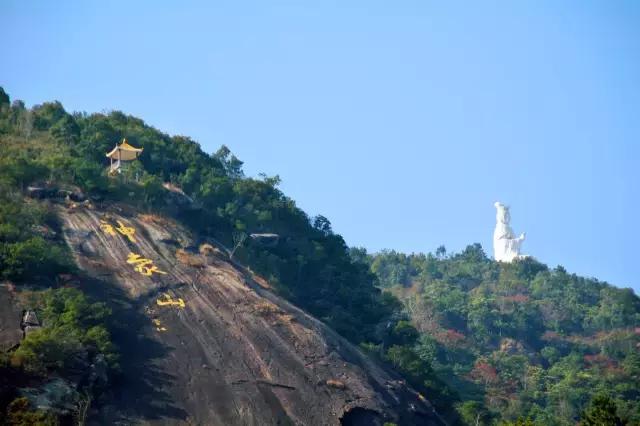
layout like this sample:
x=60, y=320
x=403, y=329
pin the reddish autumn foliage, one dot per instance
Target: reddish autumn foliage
x=551, y=335
x=450, y=337
x=454, y=336
x=485, y=372
x=602, y=361
x=517, y=298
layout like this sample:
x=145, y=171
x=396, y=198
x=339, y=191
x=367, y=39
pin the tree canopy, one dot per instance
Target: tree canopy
x=521, y=343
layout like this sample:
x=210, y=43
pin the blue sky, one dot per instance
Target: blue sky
x=402, y=122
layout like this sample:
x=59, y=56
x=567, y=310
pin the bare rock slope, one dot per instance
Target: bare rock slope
x=10, y=315
x=205, y=342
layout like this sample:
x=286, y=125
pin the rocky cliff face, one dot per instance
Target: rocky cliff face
x=206, y=342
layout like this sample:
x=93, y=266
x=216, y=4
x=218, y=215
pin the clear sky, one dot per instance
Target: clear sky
x=402, y=122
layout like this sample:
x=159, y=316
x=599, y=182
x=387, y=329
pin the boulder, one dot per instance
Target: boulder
x=63, y=193
x=176, y=196
x=29, y=318
x=39, y=192
x=77, y=196
x=29, y=322
x=268, y=240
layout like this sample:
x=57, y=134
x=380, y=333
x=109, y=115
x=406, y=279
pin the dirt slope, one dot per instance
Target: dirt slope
x=204, y=344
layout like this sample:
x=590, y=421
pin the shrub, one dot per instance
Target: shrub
x=19, y=413
x=74, y=332
x=32, y=256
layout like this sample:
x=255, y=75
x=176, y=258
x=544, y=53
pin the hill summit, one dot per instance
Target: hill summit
x=518, y=340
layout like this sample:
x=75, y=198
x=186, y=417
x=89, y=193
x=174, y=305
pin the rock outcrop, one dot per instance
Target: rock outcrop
x=205, y=342
x=30, y=321
x=10, y=316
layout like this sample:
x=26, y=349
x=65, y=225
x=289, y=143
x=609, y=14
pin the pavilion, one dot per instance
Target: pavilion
x=120, y=155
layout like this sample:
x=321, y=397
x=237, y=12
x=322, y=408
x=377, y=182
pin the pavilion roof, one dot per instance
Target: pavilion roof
x=124, y=152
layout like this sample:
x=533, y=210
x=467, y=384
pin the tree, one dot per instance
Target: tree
x=485, y=372
x=601, y=412
x=153, y=192
x=91, y=176
x=48, y=114
x=520, y=421
x=473, y=413
x=25, y=123
x=272, y=181
x=473, y=253
x=20, y=170
x=322, y=224
x=4, y=98
x=238, y=240
x=232, y=165
x=404, y=333
x=66, y=130
x=31, y=257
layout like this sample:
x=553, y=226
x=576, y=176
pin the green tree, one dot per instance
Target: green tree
x=4, y=98
x=19, y=170
x=473, y=413
x=601, y=412
x=32, y=257
x=152, y=190
x=232, y=165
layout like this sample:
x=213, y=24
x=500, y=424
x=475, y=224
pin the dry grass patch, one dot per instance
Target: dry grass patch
x=207, y=249
x=267, y=308
x=259, y=280
x=335, y=384
x=190, y=259
x=155, y=219
x=286, y=317
x=273, y=312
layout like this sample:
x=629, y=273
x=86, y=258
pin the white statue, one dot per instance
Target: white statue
x=506, y=246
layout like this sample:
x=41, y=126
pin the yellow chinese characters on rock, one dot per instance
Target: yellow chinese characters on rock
x=127, y=231
x=158, y=324
x=143, y=266
x=168, y=301
x=107, y=228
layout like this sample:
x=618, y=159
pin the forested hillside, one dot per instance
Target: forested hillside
x=51, y=149
x=484, y=342
x=520, y=340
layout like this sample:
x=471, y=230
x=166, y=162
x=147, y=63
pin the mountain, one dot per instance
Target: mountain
x=519, y=340
x=180, y=291
x=177, y=290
